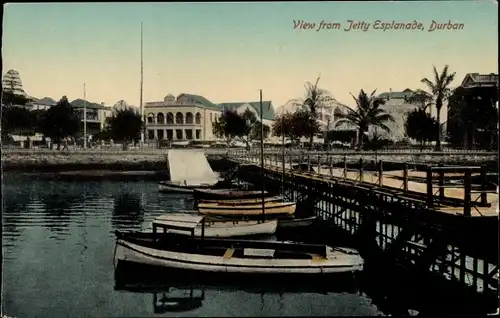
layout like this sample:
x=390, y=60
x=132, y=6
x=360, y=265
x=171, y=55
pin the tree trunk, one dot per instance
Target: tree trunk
x=311, y=139
x=59, y=145
x=360, y=139
x=438, y=136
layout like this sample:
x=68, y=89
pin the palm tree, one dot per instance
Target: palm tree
x=315, y=99
x=368, y=113
x=440, y=92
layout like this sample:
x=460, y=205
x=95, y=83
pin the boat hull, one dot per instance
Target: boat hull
x=242, y=201
x=145, y=253
x=169, y=187
x=271, y=209
x=295, y=223
x=226, y=194
x=234, y=229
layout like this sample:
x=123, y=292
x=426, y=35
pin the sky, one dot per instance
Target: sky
x=226, y=52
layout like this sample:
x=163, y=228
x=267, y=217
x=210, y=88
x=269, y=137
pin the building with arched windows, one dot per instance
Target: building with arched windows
x=191, y=117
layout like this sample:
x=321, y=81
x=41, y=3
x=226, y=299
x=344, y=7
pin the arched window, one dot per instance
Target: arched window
x=160, y=118
x=170, y=119
x=198, y=119
x=179, y=118
x=189, y=118
x=151, y=118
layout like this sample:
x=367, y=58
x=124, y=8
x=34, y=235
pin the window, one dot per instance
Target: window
x=151, y=134
x=198, y=119
x=189, y=118
x=179, y=118
x=198, y=133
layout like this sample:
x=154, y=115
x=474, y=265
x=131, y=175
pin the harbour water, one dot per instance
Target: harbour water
x=58, y=241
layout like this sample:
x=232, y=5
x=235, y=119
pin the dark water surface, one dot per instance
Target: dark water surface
x=58, y=246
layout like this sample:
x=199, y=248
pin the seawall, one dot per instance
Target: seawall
x=155, y=161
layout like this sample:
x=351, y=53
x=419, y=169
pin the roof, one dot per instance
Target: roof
x=187, y=221
x=407, y=93
x=44, y=101
x=79, y=103
x=267, y=107
x=200, y=100
x=476, y=79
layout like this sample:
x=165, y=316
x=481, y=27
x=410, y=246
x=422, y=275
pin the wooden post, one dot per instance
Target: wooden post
x=331, y=165
x=345, y=167
x=361, y=169
x=484, y=182
x=380, y=173
x=405, y=178
x=430, y=199
x=467, y=192
x=441, y=182
x=319, y=164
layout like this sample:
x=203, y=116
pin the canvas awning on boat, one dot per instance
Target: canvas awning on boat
x=190, y=167
x=178, y=221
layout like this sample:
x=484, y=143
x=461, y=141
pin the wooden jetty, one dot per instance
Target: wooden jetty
x=415, y=216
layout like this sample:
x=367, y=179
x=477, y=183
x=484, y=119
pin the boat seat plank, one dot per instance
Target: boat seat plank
x=258, y=252
x=229, y=253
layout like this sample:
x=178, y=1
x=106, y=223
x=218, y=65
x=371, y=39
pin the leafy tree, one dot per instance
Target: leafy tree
x=244, y=126
x=15, y=120
x=440, y=91
x=304, y=125
x=368, y=113
x=421, y=126
x=125, y=125
x=60, y=121
x=315, y=99
x=256, y=131
x=12, y=89
x=283, y=125
x=421, y=98
x=473, y=116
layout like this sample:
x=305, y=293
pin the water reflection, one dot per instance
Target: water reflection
x=58, y=210
x=174, y=291
x=128, y=212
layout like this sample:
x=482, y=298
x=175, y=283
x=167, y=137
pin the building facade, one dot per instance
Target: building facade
x=191, y=117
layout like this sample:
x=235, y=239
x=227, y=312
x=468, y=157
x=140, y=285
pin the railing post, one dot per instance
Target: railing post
x=319, y=164
x=441, y=182
x=345, y=167
x=330, y=164
x=405, y=178
x=484, y=183
x=467, y=192
x=430, y=199
x=360, y=169
x=380, y=173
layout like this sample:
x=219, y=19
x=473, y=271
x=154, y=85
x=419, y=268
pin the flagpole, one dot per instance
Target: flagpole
x=262, y=154
x=140, y=100
x=84, y=117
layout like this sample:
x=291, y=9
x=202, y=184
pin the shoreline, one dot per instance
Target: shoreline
x=54, y=161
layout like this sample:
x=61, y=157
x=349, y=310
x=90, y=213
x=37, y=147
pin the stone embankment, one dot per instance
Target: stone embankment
x=155, y=160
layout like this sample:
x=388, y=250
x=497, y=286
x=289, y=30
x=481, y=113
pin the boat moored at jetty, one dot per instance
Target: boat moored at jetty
x=267, y=210
x=224, y=256
x=226, y=194
x=222, y=228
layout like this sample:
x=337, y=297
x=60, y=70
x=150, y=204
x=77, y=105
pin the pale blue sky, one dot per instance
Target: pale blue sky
x=228, y=51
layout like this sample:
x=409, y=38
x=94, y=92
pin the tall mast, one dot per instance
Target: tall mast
x=140, y=98
x=262, y=154
x=84, y=117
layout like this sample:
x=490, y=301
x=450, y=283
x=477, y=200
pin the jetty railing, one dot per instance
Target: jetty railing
x=429, y=182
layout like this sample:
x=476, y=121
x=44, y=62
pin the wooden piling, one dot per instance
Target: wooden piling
x=467, y=192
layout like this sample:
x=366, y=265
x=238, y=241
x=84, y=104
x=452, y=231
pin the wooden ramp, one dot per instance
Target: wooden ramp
x=190, y=166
